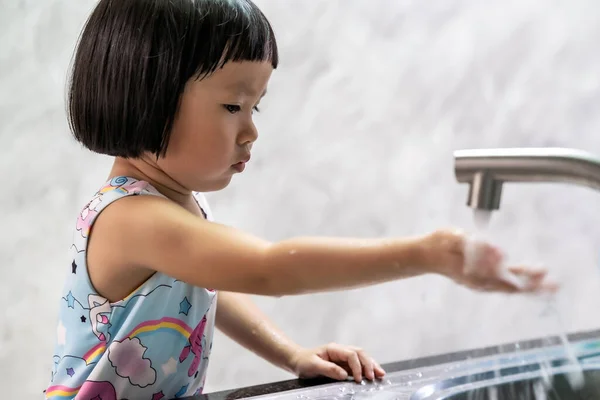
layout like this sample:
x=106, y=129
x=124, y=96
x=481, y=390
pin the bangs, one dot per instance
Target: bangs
x=228, y=31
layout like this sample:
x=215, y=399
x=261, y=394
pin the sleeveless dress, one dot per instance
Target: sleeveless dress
x=154, y=344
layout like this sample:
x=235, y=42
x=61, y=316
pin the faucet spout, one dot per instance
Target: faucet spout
x=486, y=170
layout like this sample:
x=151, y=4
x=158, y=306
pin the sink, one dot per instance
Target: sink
x=515, y=374
x=557, y=380
x=532, y=389
x=546, y=379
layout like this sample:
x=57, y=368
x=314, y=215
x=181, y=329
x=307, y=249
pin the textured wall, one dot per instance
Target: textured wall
x=396, y=86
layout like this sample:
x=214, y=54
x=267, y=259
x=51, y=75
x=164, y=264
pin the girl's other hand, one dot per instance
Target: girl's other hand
x=336, y=362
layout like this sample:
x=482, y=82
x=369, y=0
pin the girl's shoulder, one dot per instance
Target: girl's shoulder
x=112, y=190
x=125, y=185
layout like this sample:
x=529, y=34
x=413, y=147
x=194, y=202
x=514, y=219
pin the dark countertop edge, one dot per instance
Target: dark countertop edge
x=283, y=386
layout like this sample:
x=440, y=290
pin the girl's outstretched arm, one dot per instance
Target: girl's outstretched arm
x=159, y=235
x=156, y=234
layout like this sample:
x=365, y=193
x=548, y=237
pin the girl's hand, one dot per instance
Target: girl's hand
x=336, y=362
x=479, y=265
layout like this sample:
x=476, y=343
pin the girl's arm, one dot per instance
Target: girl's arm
x=158, y=235
x=240, y=319
x=162, y=236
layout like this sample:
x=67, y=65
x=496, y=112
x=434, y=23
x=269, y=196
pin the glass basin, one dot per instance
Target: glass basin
x=535, y=389
x=557, y=380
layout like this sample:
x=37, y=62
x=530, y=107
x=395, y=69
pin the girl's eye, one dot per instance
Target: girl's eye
x=232, y=108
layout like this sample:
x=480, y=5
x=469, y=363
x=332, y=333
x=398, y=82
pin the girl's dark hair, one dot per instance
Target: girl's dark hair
x=135, y=57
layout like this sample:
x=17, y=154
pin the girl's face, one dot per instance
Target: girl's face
x=213, y=132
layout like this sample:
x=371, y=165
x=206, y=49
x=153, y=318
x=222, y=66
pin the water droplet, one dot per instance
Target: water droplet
x=362, y=383
x=342, y=389
x=388, y=382
x=419, y=374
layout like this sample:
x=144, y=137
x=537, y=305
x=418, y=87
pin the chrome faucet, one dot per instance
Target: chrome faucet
x=486, y=170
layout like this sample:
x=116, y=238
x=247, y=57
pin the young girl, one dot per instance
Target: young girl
x=168, y=87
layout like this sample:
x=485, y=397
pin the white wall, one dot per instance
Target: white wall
x=396, y=86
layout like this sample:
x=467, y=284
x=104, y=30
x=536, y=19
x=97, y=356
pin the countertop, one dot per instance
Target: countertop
x=276, y=387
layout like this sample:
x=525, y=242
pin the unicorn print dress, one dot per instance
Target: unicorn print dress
x=153, y=345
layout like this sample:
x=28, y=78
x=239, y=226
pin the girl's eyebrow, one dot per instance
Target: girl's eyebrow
x=244, y=88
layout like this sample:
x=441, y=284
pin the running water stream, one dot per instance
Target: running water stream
x=575, y=375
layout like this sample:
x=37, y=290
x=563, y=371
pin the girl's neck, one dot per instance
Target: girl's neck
x=144, y=169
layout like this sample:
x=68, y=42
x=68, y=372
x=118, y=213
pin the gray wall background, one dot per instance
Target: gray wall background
x=357, y=135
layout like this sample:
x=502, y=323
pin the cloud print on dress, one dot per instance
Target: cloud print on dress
x=127, y=357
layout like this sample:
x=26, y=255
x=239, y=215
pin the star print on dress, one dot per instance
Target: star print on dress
x=184, y=306
x=74, y=267
x=158, y=396
x=83, y=319
x=70, y=372
x=181, y=391
x=61, y=333
x=170, y=367
x=70, y=300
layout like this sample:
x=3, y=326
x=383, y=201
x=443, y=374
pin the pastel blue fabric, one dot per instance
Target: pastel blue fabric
x=154, y=344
